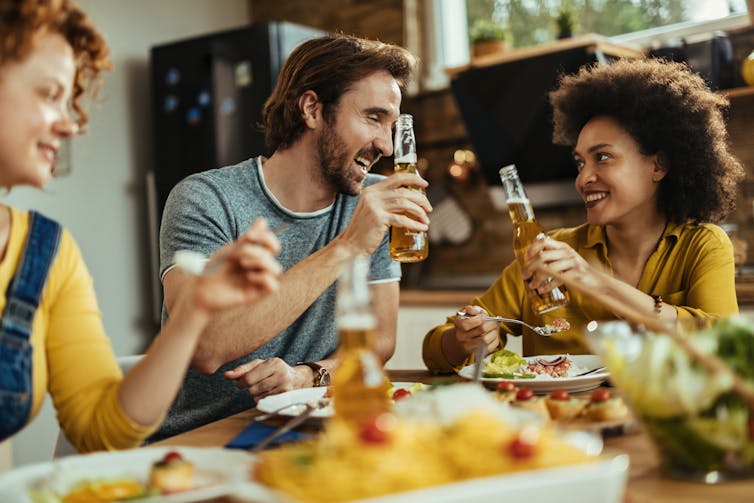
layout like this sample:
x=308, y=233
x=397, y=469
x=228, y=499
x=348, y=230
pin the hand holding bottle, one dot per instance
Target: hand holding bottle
x=550, y=264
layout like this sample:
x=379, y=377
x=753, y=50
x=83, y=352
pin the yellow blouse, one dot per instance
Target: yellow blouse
x=692, y=269
x=72, y=356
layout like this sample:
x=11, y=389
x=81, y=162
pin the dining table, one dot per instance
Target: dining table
x=646, y=481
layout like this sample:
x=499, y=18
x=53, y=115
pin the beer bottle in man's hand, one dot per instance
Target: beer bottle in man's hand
x=406, y=245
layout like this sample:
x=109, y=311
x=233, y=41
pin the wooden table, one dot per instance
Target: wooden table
x=645, y=485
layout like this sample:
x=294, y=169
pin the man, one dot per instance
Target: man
x=328, y=120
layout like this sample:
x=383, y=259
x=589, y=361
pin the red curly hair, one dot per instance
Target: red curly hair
x=23, y=21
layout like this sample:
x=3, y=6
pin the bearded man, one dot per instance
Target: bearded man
x=328, y=120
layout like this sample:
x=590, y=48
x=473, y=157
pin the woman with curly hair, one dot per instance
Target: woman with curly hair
x=51, y=333
x=655, y=173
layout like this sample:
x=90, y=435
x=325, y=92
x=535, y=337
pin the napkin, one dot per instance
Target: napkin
x=256, y=432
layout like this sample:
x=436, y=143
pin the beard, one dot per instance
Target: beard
x=336, y=166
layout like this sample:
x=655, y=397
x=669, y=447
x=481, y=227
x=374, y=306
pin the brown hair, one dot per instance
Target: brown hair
x=329, y=66
x=665, y=108
x=21, y=21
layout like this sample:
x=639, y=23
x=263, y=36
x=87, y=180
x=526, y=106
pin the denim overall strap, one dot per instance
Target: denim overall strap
x=22, y=299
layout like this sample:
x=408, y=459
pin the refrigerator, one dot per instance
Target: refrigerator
x=207, y=98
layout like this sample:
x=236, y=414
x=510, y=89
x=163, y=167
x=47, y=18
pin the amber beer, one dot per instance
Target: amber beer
x=406, y=245
x=360, y=386
x=526, y=230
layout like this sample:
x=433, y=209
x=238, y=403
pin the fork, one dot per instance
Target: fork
x=538, y=330
x=292, y=423
x=267, y=415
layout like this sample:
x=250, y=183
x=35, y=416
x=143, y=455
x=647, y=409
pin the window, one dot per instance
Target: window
x=531, y=22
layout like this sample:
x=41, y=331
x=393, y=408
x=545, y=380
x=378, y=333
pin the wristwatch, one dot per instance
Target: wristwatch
x=321, y=374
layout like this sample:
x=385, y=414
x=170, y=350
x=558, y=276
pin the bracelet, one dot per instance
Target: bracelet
x=658, y=304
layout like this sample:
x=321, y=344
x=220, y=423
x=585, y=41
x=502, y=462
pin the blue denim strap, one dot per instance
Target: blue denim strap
x=22, y=300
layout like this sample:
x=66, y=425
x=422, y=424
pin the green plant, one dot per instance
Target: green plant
x=484, y=30
x=565, y=21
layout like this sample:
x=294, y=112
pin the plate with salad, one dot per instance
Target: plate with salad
x=542, y=373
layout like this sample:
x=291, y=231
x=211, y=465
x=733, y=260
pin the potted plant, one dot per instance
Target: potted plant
x=565, y=21
x=487, y=37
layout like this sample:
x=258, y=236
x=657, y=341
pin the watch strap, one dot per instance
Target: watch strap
x=319, y=372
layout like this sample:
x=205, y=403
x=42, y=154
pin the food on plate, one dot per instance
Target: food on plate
x=553, y=367
x=562, y=406
x=603, y=406
x=557, y=326
x=505, y=391
x=525, y=399
x=96, y=491
x=504, y=363
x=402, y=391
x=172, y=474
x=444, y=435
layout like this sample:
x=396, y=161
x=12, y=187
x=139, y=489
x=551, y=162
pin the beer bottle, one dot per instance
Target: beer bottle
x=406, y=245
x=360, y=386
x=526, y=230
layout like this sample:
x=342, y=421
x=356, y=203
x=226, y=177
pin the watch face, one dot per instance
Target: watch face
x=324, y=377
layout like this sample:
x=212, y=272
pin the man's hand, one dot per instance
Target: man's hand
x=390, y=202
x=269, y=377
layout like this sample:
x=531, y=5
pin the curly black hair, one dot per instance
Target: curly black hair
x=665, y=108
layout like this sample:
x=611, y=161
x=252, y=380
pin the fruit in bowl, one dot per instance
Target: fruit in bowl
x=702, y=427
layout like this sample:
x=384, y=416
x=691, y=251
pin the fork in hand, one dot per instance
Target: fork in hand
x=543, y=331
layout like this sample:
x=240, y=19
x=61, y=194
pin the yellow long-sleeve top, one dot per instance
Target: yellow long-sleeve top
x=691, y=268
x=72, y=356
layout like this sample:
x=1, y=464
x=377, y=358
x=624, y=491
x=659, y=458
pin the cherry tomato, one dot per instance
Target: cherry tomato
x=505, y=386
x=601, y=395
x=172, y=456
x=520, y=448
x=524, y=394
x=377, y=430
x=401, y=393
x=560, y=394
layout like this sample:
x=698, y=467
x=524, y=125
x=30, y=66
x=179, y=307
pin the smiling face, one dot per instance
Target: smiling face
x=359, y=132
x=618, y=183
x=34, y=119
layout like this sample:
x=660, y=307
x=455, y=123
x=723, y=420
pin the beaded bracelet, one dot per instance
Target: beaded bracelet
x=658, y=304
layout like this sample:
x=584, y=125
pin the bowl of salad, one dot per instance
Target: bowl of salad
x=698, y=418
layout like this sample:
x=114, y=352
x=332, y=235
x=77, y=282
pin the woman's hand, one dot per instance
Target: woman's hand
x=240, y=272
x=474, y=330
x=551, y=264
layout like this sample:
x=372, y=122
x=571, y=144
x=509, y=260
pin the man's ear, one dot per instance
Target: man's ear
x=661, y=167
x=311, y=108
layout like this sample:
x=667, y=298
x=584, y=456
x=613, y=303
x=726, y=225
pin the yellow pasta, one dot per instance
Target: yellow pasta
x=342, y=465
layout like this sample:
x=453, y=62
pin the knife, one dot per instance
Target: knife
x=310, y=408
x=478, y=357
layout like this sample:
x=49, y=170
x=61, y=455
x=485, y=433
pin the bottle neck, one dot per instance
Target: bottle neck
x=520, y=210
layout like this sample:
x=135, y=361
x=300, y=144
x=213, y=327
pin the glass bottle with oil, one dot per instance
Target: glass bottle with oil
x=406, y=245
x=359, y=385
x=526, y=230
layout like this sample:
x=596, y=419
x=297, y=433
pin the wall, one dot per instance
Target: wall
x=103, y=202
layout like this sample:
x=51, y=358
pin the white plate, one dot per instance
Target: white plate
x=273, y=403
x=545, y=384
x=223, y=471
